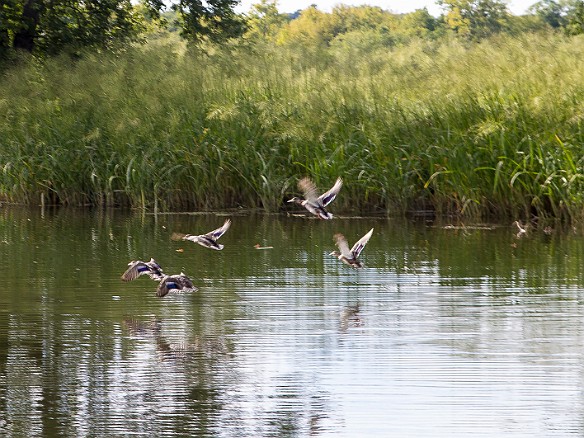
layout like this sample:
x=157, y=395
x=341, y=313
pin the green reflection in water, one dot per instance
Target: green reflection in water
x=261, y=348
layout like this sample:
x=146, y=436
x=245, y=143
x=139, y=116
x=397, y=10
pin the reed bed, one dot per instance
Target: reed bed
x=485, y=130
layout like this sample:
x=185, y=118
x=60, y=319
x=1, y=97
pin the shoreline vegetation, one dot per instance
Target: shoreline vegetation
x=489, y=129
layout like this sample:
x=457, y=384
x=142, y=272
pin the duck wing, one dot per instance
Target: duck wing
x=154, y=264
x=216, y=234
x=360, y=244
x=168, y=283
x=329, y=196
x=309, y=189
x=343, y=246
x=155, y=269
x=185, y=282
x=136, y=268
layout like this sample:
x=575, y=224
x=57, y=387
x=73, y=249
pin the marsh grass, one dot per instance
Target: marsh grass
x=492, y=129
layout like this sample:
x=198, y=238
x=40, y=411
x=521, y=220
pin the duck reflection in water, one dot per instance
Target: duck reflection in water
x=210, y=346
x=350, y=317
x=141, y=328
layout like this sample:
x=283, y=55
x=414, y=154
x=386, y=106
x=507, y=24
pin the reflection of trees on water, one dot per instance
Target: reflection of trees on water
x=256, y=352
x=210, y=371
x=82, y=377
x=176, y=373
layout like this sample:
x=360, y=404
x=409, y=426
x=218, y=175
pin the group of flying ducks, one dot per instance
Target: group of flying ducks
x=314, y=203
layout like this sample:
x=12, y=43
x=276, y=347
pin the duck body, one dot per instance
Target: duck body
x=349, y=261
x=137, y=268
x=314, y=203
x=315, y=209
x=348, y=256
x=178, y=282
x=205, y=241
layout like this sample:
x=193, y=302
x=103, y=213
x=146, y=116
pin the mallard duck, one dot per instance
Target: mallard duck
x=314, y=203
x=136, y=268
x=208, y=240
x=175, y=282
x=350, y=256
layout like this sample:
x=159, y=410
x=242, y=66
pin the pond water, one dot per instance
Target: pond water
x=447, y=331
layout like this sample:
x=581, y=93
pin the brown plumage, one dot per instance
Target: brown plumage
x=137, y=268
x=178, y=282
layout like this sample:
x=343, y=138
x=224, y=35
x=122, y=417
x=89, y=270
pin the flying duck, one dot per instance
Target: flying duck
x=314, y=203
x=178, y=282
x=136, y=268
x=208, y=240
x=350, y=256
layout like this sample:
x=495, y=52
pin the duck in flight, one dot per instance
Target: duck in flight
x=178, y=282
x=314, y=203
x=137, y=268
x=208, y=240
x=350, y=256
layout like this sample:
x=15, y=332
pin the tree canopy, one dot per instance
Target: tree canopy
x=47, y=27
x=475, y=18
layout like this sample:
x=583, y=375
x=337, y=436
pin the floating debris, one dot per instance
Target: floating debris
x=258, y=246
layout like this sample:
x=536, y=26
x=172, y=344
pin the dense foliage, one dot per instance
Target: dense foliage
x=414, y=111
x=48, y=27
x=53, y=26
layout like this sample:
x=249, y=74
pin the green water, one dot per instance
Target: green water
x=446, y=332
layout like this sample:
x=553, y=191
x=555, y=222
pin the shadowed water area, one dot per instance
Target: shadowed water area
x=445, y=332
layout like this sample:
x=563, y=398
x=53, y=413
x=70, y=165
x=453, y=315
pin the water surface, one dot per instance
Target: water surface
x=446, y=332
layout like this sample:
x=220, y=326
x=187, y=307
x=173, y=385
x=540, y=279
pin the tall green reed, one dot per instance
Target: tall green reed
x=491, y=129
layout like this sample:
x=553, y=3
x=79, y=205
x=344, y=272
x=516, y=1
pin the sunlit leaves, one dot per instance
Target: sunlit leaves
x=475, y=18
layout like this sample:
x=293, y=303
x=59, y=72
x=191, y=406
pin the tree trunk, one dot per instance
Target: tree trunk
x=26, y=36
x=4, y=42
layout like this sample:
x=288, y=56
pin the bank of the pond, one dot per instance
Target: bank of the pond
x=488, y=129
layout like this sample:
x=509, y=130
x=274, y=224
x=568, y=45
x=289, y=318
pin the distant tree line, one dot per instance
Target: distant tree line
x=48, y=27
